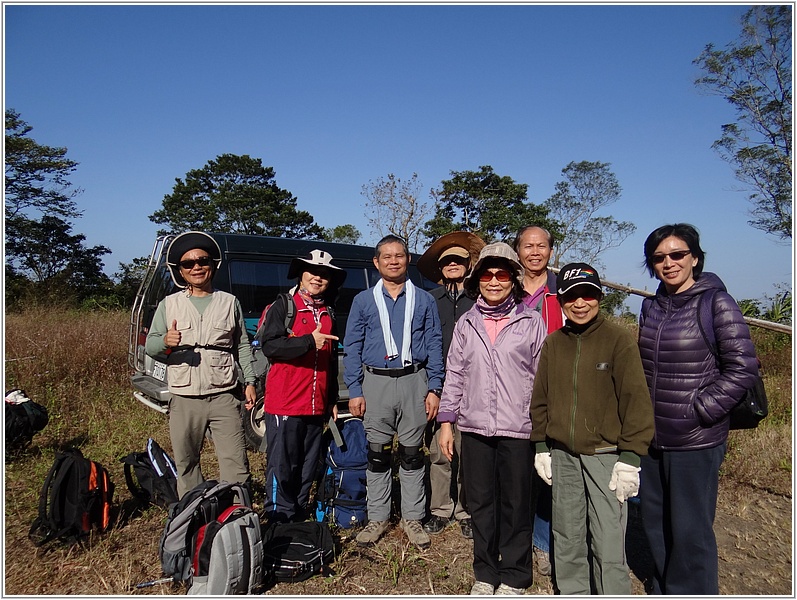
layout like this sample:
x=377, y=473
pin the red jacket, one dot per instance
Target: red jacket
x=302, y=380
x=550, y=309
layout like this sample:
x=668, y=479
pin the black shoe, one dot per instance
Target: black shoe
x=466, y=526
x=435, y=524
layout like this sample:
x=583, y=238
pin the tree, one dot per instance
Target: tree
x=44, y=261
x=57, y=263
x=484, y=203
x=583, y=236
x=234, y=194
x=36, y=175
x=395, y=207
x=754, y=75
x=344, y=234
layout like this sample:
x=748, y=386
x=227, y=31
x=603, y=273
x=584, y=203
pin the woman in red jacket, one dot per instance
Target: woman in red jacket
x=301, y=388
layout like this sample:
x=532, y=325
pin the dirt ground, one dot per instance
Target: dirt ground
x=753, y=528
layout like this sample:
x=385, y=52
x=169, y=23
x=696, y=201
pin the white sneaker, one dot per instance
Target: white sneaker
x=480, y=588
x=505, y=590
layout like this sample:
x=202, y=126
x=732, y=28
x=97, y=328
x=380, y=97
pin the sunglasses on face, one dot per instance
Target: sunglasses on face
x=321, y=273
x=676, y=256
x=459, y=260
x=586, y=297
x=202, y=261
x=502, y=276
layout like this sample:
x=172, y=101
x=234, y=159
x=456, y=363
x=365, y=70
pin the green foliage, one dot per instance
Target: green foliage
x=36, y=175
x=614, y=301
x=779, y=310
x=45, y=263
x=583, y=236
x=750, y=308
x=493, y=207
x=234, y=194
x=344, y=234
x=754, y=75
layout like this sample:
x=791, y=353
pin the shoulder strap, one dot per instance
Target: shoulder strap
x=290, y=312
x=705, y=320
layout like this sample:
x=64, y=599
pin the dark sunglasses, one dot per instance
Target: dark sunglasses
x=502, y=276
x=676, y=256
x=460, y=260
x=202, y=261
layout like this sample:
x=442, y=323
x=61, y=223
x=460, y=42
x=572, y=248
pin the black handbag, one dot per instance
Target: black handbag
x=752, y=408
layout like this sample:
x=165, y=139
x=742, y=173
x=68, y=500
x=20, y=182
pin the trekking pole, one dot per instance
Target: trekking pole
x=147, y=584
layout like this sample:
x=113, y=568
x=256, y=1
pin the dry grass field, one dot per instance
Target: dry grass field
x=76, y=365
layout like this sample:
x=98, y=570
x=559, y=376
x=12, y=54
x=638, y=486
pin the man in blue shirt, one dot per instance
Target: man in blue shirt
x=393, y=359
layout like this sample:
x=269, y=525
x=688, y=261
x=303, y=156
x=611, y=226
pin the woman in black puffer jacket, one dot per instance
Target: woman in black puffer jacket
x=692, y=394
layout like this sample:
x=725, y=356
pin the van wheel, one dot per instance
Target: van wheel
x=255, y=426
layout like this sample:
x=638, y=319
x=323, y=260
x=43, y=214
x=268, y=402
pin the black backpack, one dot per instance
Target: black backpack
x=24, y=417
x=156, y=474
x=290, y=318
x=296, y=551
x=74, y=500
x=199, y=506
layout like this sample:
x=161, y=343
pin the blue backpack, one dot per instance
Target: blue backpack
x=342, y=497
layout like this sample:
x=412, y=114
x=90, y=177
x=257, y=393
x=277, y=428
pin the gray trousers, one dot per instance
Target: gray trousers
x=395, y=406
x=582, y=505
x=441, y=471
x=189, y=418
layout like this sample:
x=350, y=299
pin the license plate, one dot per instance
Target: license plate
x=159, y=371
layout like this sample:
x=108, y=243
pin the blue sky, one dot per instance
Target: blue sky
x=333, y=96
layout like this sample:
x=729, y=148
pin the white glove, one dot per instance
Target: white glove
x=625, y=481
x=542, y=462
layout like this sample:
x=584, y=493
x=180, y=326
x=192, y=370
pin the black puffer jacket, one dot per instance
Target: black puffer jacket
x=691, y=393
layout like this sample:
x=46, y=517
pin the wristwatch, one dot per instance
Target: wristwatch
x=437, y=392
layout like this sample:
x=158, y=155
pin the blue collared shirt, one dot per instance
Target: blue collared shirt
x=365, y=344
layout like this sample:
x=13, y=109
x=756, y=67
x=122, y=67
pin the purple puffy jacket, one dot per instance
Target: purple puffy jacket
x=691, y=393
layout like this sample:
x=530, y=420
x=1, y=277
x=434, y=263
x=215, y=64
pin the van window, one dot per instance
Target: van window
x=257, y=283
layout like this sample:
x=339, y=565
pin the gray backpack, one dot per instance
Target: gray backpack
x=199, y=506
x=228, y=557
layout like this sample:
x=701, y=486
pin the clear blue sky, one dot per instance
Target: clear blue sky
x=333, y=96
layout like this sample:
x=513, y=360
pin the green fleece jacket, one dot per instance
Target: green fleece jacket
x=590, y=393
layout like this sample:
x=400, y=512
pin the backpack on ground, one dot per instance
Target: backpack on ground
x=199, y=506
x=24, y=418
x=342, y=495
x=155, y=478
x=228, y=554
x=75, y=499
x=296, y=551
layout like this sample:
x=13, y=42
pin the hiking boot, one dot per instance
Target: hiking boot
x=415, y=534
x=543, y=561
x=371, y=533
x=435, y=524
x=505, y=590
x=480, y=588
x=466, y=527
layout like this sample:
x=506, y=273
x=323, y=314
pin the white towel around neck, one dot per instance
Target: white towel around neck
x=384, y=320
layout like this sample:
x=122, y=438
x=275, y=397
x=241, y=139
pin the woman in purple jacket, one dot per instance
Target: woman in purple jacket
x=490, y=372
x=692, y=393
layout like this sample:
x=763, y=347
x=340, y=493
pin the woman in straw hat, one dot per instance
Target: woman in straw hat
x=448, y=261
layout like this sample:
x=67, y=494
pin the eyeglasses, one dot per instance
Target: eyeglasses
x=502, y=276
x=676, y=256
x=202, y=261
x=586, y=297
x=448, y=260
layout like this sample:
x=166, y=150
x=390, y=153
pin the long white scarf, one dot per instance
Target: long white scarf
x=384, y=320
